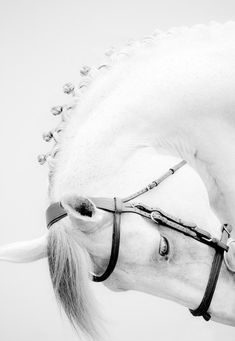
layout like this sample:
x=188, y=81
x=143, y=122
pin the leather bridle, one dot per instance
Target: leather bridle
x=117, y=206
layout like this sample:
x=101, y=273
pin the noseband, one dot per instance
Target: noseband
x=117, y=206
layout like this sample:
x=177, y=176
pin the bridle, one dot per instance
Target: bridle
x=118, y=206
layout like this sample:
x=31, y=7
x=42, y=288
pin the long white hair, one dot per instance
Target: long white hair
x=70, y=265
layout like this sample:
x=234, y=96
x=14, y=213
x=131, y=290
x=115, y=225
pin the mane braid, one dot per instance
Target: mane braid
x=168, y=41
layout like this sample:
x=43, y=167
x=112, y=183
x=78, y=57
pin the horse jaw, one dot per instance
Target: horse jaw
x=24, y=252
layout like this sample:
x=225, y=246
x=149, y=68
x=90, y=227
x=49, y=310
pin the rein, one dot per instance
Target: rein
x=117, y=206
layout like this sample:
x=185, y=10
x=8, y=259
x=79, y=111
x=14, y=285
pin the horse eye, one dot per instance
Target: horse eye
x=163, y=246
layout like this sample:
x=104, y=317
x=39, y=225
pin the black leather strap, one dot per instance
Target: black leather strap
x=115, y=246
x=54, y=213
x=202, y=309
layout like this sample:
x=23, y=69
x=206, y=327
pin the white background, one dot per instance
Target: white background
x=43, y=44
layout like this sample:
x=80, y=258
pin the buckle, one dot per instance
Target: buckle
x=228, y=228
x=156, y=217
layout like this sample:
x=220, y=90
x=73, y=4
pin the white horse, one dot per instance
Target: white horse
x=166, y=98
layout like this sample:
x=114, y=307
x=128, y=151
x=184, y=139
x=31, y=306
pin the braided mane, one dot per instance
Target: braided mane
x=97, y=81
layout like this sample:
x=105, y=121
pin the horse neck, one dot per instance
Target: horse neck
x=208, y=151
x=171, y=113
x=97, y=152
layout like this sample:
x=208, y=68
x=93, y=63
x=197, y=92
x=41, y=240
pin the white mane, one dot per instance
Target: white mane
x=141, y=58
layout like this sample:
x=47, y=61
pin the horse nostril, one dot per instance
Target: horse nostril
x=84, y=207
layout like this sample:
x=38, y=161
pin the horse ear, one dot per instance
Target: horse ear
x=24, y=252
x=82, y=212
